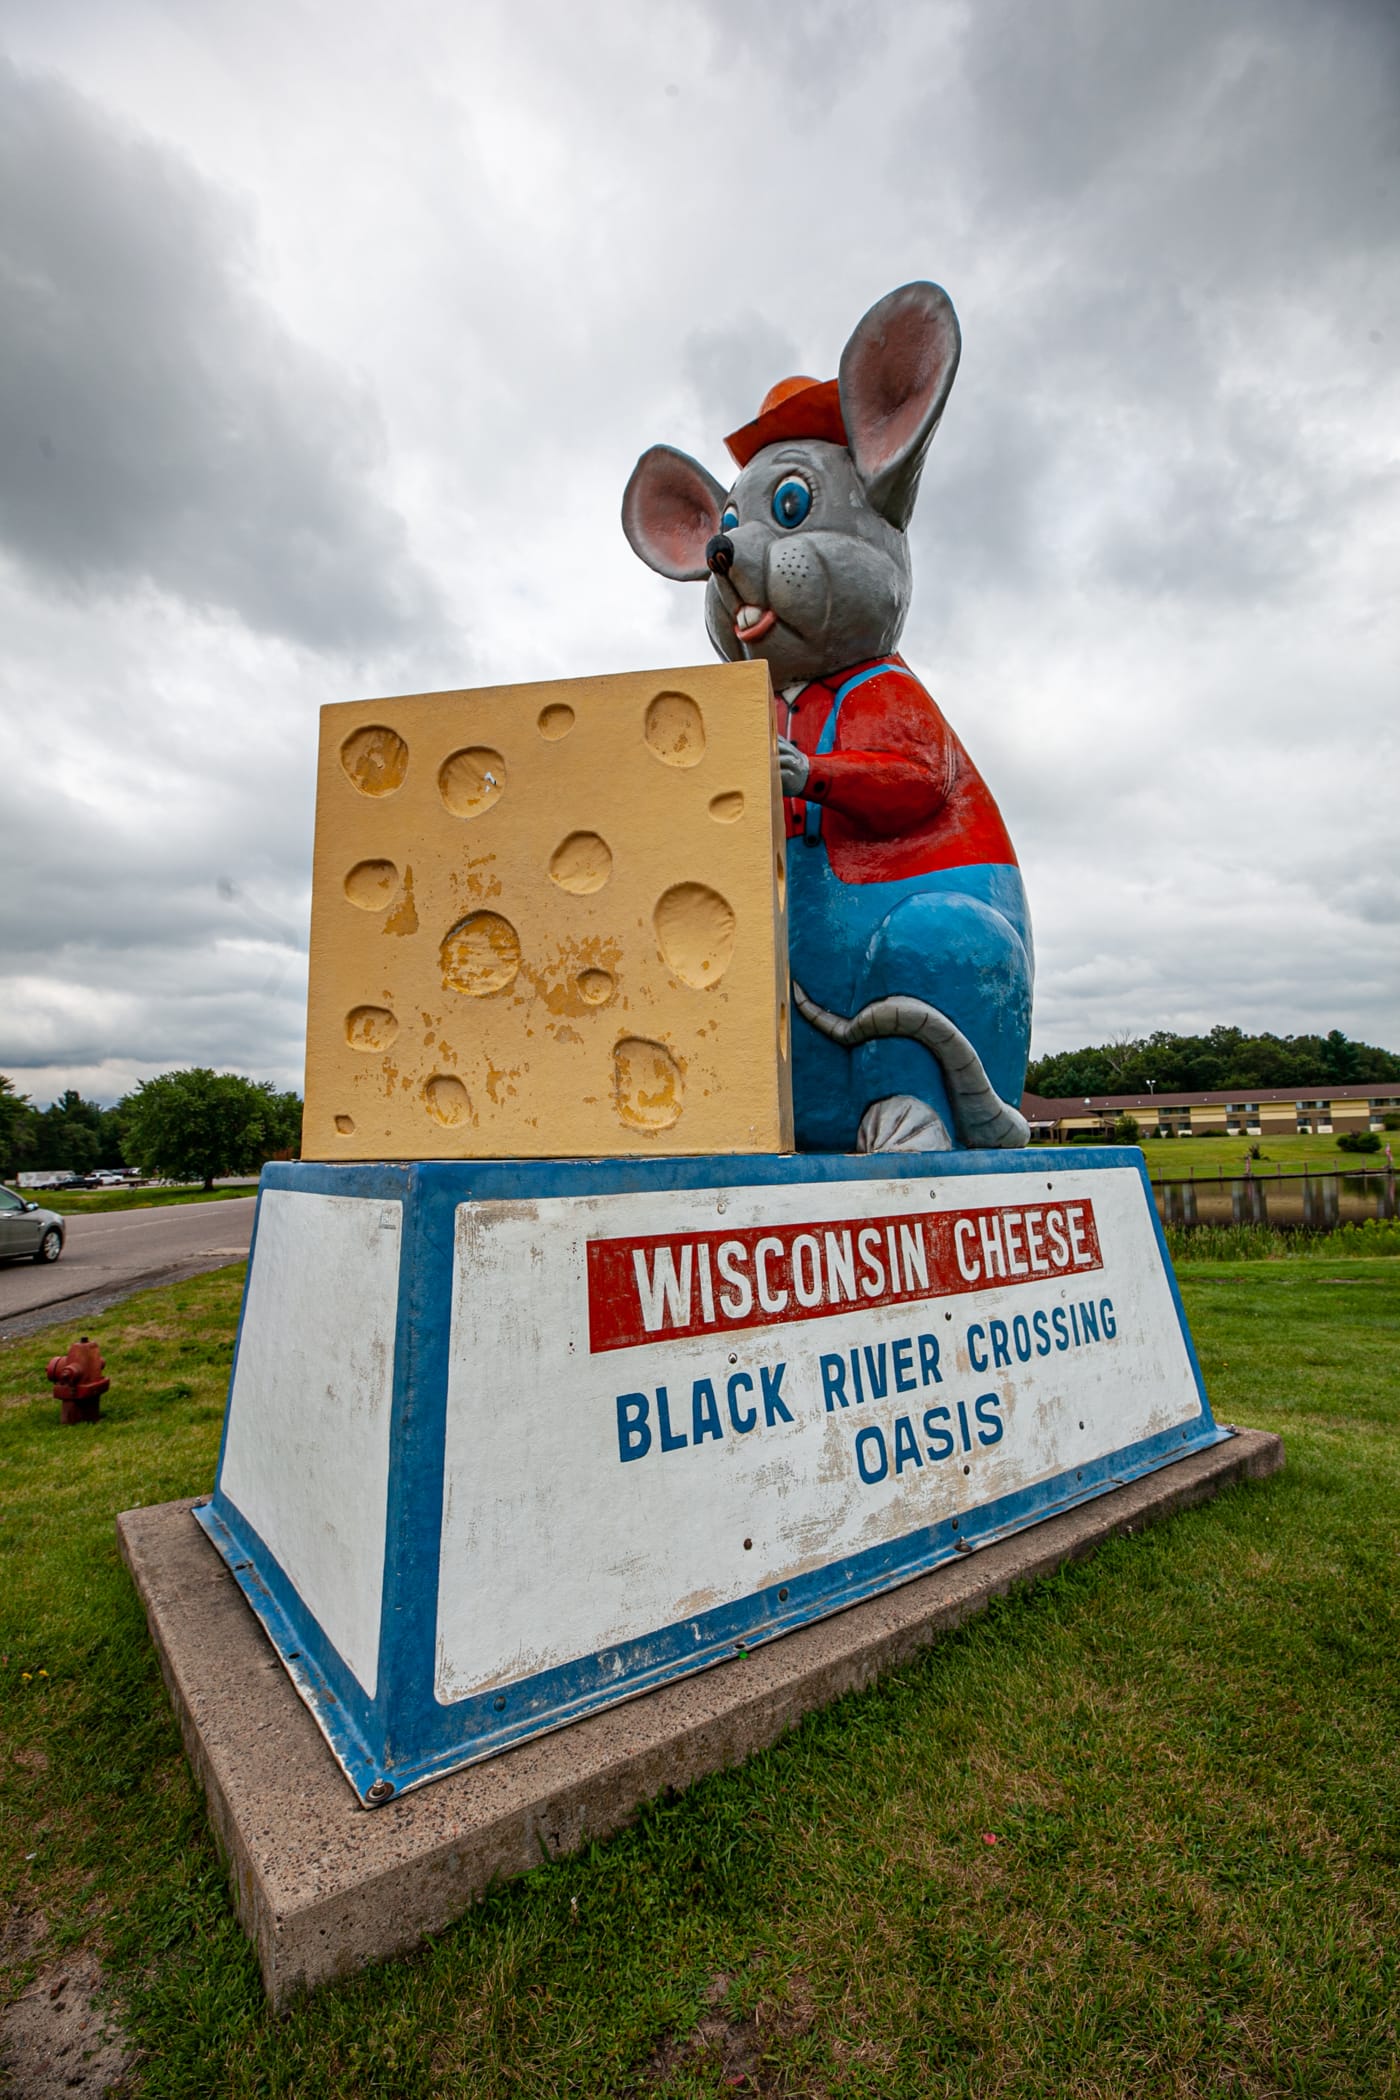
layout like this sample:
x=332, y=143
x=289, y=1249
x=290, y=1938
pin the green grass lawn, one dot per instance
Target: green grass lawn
x=1134, y=1833
x=66, y=1200
x=1177, y=1158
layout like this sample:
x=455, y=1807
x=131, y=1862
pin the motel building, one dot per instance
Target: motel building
x=1269, y=1112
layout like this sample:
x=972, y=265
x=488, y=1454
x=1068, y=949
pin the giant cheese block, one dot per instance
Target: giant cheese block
x=549, y=920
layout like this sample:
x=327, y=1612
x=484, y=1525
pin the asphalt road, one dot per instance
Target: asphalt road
x=107, y=1257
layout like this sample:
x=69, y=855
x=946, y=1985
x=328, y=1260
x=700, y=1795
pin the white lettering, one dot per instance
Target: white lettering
x=771, y=1300
x=730, y=1257
x=840, y=1267
x=870, y=1259
x=1073, y=1213
x=971, y=1274
x=992, y=1253
x=1012, y=1225
x=1035, y=1243
x=1059, y=1245
x=663, y=1292
x=911, y=1239
x=707, y=1289
x=808, y=1290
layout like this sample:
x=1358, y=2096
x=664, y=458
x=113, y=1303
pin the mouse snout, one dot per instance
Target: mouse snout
x=719, y=554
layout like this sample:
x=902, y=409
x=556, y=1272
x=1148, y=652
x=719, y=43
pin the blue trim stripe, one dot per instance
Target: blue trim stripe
x=826, y=742
x=404, y=1735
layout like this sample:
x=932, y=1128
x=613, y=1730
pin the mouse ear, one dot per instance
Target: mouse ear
x=670, y=508
x=896, y=373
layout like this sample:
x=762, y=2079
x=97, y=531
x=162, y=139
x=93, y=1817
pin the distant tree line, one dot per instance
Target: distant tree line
x=1226, y=1058
x=184, y=1126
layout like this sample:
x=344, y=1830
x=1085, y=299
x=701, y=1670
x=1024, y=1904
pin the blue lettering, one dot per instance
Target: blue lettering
x=906, y=1451
x=1089, y=1321
x=743, y=1419
x=1109, y=1318
x=773, y=1403
x=962, y=1424
x=704, y=1412
x=633, y=1435
x=940, y=1442
x=902, y=1356
x=1074, y=1324
x=1021, y=1337
x=875, y=1439
x=1042, y=1333
x=669, y=1440
x=1057, y=1321
x=834, y=1382
x=877, y=1372
x=985, y=1408
x=1001, y=1354
x=928, y=1358
x=855, y=1376
x=979, y=1363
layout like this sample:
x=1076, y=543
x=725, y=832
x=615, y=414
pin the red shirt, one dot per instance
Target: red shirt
x=897, y=793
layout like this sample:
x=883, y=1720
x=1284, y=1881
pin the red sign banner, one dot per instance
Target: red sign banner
x=667, y=1286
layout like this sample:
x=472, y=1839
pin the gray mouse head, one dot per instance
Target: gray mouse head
x=806, y=555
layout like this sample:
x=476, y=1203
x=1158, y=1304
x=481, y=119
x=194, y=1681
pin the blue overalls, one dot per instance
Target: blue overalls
x=958, y=938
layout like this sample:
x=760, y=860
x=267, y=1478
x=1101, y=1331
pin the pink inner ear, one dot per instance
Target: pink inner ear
x=670, y=513
x=896, y=376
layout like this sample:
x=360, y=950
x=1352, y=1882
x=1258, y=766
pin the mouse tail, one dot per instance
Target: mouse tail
x=984, y=1121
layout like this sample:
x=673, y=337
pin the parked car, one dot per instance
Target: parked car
x=26, y=1229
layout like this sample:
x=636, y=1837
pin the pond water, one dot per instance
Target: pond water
x=1297, y=1202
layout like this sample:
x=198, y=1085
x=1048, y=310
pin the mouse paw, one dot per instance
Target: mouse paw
x=900, y=1123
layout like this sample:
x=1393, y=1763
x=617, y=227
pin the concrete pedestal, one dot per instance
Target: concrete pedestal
x=324, y=1887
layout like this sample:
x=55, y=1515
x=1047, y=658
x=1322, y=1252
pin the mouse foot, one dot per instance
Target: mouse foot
x=900, y=1123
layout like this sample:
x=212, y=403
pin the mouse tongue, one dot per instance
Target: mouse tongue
x=752, y=622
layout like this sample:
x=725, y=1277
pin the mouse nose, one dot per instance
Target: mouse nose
x=719, y=554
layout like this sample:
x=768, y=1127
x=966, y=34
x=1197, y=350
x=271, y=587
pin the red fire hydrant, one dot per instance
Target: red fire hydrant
x=78, y=1382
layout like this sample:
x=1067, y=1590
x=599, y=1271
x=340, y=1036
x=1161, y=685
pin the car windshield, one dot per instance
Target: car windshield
x=9, y=1201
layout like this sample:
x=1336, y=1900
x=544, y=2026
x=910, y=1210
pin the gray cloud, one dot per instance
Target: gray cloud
x=1152, y=552
x=158, y=423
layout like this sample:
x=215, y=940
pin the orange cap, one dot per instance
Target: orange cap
x=794, y=408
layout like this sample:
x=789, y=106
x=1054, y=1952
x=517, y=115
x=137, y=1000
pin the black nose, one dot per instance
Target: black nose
x=719, y=554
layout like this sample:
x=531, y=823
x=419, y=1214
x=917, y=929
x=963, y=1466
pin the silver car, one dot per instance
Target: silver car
x=27, y=1230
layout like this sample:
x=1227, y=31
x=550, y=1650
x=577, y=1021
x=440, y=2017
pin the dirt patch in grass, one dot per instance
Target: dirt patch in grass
x=58, y=2038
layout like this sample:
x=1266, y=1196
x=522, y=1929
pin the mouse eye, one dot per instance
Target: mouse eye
x=730, y=518
x=792, y=499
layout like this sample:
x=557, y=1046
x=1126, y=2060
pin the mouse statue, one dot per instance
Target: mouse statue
x=909, y=937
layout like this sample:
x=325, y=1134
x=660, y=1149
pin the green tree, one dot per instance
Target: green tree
x=1226, y=1058
x=17, y=1121
x=78, y=1134
x=194, y=1125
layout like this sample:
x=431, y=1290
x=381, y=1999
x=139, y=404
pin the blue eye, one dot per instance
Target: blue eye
x=792, y=499
x=730, y=519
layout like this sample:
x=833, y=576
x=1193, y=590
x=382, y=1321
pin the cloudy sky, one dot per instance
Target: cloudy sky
x=330, y=331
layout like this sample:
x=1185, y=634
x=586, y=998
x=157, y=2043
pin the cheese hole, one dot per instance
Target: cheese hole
x=596, y=986
x=582, y=864
x=345, y=1125
x=727, y=809
x=695, y=929
x=647, y=1084
x=480, y=955
x=371, y=884
x=555, y=722
x=471, y=780
x=370, y=1027
x=447, y=1100
x=375, y=759
x=675, y=730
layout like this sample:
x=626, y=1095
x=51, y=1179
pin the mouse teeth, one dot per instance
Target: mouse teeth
x=751, y=621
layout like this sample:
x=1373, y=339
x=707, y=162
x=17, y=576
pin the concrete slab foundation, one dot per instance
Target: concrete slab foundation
x=324, y=1887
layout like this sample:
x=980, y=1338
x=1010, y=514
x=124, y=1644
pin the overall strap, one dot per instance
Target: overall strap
x=826, y=742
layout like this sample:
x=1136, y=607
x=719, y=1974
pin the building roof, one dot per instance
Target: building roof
x=1038, y=1110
